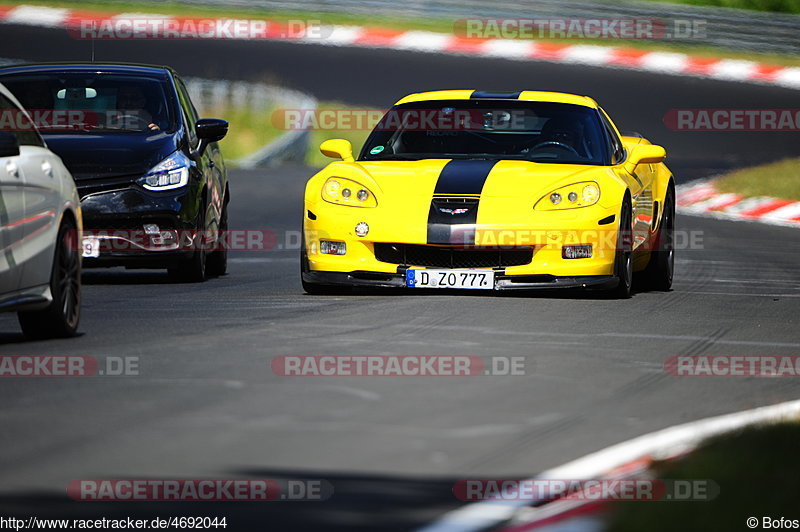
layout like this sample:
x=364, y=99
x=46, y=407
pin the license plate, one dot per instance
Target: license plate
x=471, y=279
x=91, y=247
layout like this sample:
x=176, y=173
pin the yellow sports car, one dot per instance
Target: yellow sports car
x=467, y=189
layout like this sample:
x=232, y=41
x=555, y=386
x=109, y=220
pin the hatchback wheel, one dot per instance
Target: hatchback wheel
x=61, y=317
x=193, y=270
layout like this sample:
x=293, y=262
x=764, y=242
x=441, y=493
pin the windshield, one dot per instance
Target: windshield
x=495, y=129
x=89, y=102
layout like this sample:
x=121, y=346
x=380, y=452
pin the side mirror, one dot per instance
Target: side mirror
x=338, y=149
x=211, y=129
x=9, y=146
x=646, y=154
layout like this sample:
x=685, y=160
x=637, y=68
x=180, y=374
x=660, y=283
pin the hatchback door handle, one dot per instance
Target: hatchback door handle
x=12, y=168
x=47, y=168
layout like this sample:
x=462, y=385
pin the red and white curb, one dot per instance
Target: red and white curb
x=623, y=460
x=426, y=41
x=704, y=199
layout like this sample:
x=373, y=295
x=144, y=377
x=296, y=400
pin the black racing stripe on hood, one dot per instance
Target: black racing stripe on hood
x=462, y=177
x=452, y=219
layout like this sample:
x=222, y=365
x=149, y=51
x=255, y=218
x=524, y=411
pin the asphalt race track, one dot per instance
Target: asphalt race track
x=206, y=403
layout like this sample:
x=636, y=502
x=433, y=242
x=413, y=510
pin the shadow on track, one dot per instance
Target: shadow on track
x=119, y=276
x=359, y=503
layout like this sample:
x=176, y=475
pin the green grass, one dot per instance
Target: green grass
x=175, y=8
x=756, y=471
x=250, y=131
x=780, y=180
x=247, y=133
x=776, y=6
x=356, y=137
x=441, y=25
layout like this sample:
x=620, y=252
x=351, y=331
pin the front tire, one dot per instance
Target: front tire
x=61, y=317
x=194, y=270
x=218, y=259
x=623, y=262
x=313, y=289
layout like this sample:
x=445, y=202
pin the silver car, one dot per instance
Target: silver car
x=40, y=228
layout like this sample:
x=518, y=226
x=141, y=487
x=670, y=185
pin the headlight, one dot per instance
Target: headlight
x=347, y=192
x=172, y=172
x=570, y=197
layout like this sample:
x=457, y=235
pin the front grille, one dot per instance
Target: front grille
x=454, y=202
x=94, y=185
x=126, y=223
x=452, y=257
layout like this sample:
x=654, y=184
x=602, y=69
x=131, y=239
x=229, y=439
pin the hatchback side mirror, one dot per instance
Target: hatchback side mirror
x=9, y=145
x=211, y=129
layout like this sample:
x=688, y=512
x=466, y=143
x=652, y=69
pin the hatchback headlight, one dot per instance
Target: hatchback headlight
x=570, y=197
x=171, y=173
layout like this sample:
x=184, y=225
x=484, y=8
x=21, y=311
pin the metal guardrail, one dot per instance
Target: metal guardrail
x=730, y=28
x=210, y=95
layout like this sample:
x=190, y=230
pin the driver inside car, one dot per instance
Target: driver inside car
x=560, y=131
x=131, y=108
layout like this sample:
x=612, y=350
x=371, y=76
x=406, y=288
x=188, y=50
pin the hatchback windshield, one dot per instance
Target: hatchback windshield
x=499, y=129
x=90, y=102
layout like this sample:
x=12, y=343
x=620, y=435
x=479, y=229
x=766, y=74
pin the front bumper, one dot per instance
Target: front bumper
x=117, y=219
x=364, y=279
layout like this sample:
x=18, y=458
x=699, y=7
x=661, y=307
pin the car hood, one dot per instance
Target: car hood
x=93, y=156
x=500, y=179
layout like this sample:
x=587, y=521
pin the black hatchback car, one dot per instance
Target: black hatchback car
x=151, y=177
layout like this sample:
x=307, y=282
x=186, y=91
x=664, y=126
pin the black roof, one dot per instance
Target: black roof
x=117, y=68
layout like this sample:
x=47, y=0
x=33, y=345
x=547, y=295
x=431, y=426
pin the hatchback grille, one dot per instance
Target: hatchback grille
x=109, y=224
x=87, y=186
x=452, y=257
